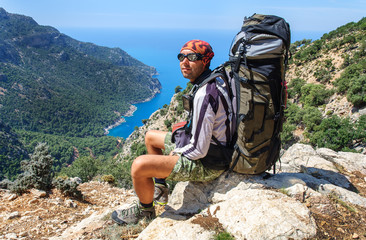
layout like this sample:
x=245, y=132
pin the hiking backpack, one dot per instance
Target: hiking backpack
x=255, y=80
x=256, y=75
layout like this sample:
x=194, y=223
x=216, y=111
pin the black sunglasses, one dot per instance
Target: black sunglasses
x=192, y=57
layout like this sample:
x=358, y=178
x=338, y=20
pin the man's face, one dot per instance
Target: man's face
x=191, y=70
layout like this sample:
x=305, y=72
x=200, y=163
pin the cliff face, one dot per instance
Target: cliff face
x=316, y=194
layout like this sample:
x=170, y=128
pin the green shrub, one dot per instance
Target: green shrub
x=36, y=172
x=308, y=116
x=360, y=134
x=334, y=133
x=350, y=74
x=293, y=114
x=163, y=111
x=294, y=87
x=177, y=89
x=85, y=168
x=6, y=184
x=108, y=179
x=67, y=187
x=356, y=94
x=311, y=117
x=346, y=61
x=348, y=39
x=314, y=94
x=322, y=75
x=120, y=171
x=224, y=236
x=167, y=123
x=138, y=149
x=287, y=137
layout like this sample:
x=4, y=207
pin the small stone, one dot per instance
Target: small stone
x=87, y=210
x=12, y=197
x=11, y=236
x=24, y=218
x=13, y=215
x=70, y=203
x=38, y=193
x=355, y=236
x=94, y=192
x=33, y=201
x=76, y=179
x=23, y=234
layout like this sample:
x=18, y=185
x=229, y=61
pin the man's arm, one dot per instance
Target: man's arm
x=205, y=108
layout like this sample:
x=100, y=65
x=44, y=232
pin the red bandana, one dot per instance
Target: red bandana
x=202, y=47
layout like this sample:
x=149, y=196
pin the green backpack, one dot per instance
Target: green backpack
x=256, y=76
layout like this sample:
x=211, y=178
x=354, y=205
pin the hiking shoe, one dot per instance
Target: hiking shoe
x=133, y=214
x=161, y=194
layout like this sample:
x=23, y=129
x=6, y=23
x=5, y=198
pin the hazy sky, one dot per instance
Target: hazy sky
x=303, y=15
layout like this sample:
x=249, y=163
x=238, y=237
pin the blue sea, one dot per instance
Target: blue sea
x=159, y=48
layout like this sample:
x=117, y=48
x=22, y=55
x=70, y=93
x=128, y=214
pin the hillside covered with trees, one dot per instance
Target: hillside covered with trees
x=58, y=90
x=327, y=90
x=54, y=84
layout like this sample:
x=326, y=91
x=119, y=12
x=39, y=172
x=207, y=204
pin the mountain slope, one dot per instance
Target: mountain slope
x=54, y=84
x=12, y=152
x=327, y=90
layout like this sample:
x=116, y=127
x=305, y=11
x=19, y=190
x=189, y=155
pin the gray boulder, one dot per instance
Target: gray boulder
x=265, y=206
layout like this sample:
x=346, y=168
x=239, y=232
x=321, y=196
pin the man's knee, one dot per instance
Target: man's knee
x=138, y=166
x=153, y=166
x=149, y=136
x=155, y=138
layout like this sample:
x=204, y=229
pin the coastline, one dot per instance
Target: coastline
x=129, y=113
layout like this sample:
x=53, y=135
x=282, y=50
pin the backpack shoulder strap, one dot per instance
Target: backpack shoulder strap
x=210, y=78
x=213, y=76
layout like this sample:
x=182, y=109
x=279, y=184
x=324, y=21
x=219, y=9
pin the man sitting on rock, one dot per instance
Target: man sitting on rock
x=199, y=158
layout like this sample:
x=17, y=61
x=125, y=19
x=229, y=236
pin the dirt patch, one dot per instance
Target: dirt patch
x=336, y=219
x=209, y=222
x=35, y=217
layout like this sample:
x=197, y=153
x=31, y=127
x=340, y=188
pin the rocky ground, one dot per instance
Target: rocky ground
x=40, y=215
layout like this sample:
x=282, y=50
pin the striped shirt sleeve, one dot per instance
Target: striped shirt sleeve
x=210, y=117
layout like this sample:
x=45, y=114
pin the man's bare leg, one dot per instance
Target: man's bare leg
x=154, y=141
x=144, y=168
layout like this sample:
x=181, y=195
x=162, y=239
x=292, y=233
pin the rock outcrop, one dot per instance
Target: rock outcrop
x=264, y=206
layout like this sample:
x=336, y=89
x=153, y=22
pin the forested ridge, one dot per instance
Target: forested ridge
x=53, y=84
x=62, y=91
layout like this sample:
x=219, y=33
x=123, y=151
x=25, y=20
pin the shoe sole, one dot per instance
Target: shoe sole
x=115, y=218
x=161, y=203
x=160, y=194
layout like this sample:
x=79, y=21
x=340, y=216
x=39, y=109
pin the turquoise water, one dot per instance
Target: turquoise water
x=159, y=48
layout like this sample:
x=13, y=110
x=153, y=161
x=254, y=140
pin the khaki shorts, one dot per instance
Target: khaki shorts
x=186, y=169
